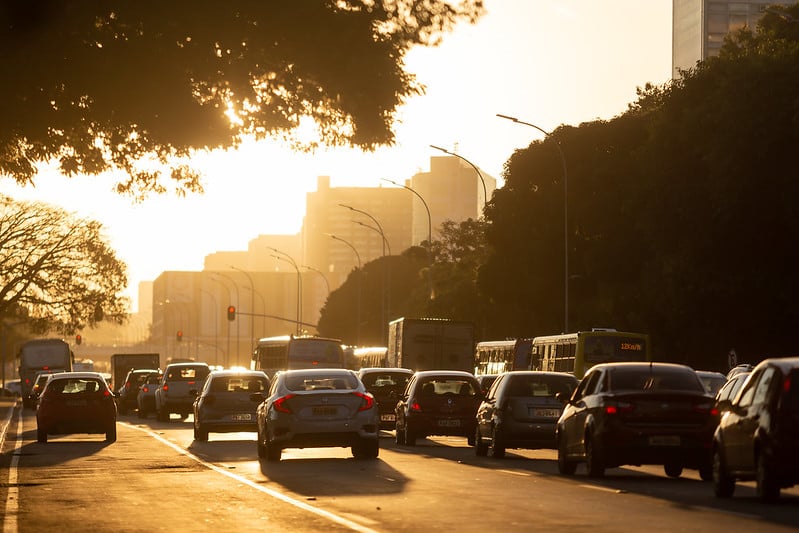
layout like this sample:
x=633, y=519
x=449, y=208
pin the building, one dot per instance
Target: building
x=699, y=27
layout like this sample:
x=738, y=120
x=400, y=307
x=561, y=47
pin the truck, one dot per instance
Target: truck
x=122, y=363
x=41, y=355
x=431, y=344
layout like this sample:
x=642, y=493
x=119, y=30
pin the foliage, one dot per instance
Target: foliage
x=57, y=272
x=133, y=86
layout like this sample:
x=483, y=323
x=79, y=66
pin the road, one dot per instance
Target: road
x=156, y=478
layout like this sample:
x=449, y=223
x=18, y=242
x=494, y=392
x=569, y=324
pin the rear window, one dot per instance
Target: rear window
x=439, y=386
x=394, y=380
x=239, y=384
x=187, y=373
x=655, y=378
x=74, y=386
x=322, y=382
x=547, y=386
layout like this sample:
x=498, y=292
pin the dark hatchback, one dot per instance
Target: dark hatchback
x=438, y=402
x=386, y=385
x=227, y=402
x=636, y=414
x=76, y=402
x=128, y=393
x=521, y=410
x=758, y=437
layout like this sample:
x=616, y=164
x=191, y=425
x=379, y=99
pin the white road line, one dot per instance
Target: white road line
x=523, y=474
x=277, y=495
x=602, y=489
x=10, y=523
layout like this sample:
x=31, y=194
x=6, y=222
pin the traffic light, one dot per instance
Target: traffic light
x=231, y=312
x=78, y=339
x=180, y=335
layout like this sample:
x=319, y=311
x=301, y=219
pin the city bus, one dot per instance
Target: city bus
x=37, y=355
x=496, y=357
x=288, y=352
x=577, y=352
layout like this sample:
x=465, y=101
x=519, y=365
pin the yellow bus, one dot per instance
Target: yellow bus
x=496, y=357
x=577, y=352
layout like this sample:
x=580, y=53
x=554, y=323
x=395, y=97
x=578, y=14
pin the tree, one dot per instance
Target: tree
x=117, y=85
x=57, y=272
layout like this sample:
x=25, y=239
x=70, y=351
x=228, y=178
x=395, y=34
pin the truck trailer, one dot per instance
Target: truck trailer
x=431, y=344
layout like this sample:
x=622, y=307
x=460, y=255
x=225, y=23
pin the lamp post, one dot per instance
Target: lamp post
x=324, y=278
x=286, y=257
x=238, y=339
x=358, y=257
x=479, y=174
x=565, y=219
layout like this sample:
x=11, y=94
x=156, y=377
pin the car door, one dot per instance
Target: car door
x=750, y=423
x=575, y=412
x=488, y=407
x=735, y=425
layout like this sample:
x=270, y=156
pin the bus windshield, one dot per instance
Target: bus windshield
x=53, y=355
x=284, y=353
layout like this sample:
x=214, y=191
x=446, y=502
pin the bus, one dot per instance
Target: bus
x=577, y=352
x=496, y=357
x=370, y=357
x=288, y=352
x=49, y=355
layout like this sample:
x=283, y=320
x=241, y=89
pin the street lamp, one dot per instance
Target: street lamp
x=565, y=219
x=324, y=278
x=286, y=257
x=479, y=174
x=357, y=256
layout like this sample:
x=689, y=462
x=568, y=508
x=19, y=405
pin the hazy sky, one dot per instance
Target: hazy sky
x=547, y=62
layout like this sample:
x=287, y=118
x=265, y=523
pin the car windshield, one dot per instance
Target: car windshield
x=238, y=384
x=655, y=378
x=187, y=373
x=305, y=382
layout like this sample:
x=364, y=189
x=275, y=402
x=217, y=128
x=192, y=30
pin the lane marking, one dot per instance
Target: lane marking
x=522, y=474
x=275, y=494
x=10, y=520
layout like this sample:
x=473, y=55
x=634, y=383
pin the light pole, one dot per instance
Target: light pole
x=565, y=219
x=358, y=257
x=286, y=257
x=479, y=174
x=238, y=338
x=324, y=278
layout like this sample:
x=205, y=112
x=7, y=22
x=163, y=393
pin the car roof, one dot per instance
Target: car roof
x=80, y=375
x=242, y=372
x=711, y=373
x=444, y=373
x=785, y=364
x=384, y=370
x=313, y=371
x=642, y=365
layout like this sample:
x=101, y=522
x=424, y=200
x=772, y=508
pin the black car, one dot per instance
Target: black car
x=636, y=414
x=758, y=437
x=521, y=410
x=729, y=390
x=127, y=394
x=386, y=385
x=227, y=402
x=486, y=380
x=438, y=402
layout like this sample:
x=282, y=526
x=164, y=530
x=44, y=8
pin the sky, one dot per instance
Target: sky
x=546, y=62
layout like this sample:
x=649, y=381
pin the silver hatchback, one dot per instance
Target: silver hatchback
x=324, y=407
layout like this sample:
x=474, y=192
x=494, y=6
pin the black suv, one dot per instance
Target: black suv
x=758, y=438
x=385, y=384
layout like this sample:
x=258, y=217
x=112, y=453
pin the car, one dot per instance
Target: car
x=174, y=392
x=145, y=397
x=38, y=385
x=76, y=402
x=521, y=410
x=317, y=407
x=635, y=414
x=127, y=394
x=227, y=402
x=713, y=381
x=729, y=390
x=743, y=367
x=486, y=380
x=438, y=402
x=385, y=384
x=758, y=437
x=14, y=388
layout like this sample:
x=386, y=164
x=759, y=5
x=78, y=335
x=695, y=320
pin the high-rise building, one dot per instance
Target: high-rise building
x=699, y=27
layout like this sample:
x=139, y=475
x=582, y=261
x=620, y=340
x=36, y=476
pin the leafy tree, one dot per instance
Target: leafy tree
x=57, y=272
x=120, y=84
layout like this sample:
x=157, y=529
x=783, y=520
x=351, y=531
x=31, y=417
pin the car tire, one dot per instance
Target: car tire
x=399, y=436
x=163, y=415
x=723, y=484
x=409, y=436
x=200, y=433
x=594, y=462
x=261, y=447
x=41, y=435
x=273, y=452
x=366, y=449
x=706, y=472
x=566, y=466
x=673, y=469
x=768, y=489
x=111, y=434
x=496, y=448
x=480, y=446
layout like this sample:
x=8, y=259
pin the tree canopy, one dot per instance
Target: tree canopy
x=57, y=272
x=136, y=85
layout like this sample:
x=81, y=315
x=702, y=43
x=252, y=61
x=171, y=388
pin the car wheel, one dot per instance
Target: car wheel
x=706, y=472
x=768, y=490
x=565, y=465
x=366, y=449
x=260, y=445
x=163, y=416
x=496, y=448
x=409, y=436
x=273, y=452
x=593, y=458
x=111, y=434
x=41, y=435
x=141, y=413
x=399, y=436
x=480, y=446
x=673, y=469
x=723, y=484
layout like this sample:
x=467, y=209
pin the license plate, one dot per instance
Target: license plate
x=246, y=416
x=664, y=440
x=324, y=411
x=388, y=418
x=546, y=413
x=449, y=423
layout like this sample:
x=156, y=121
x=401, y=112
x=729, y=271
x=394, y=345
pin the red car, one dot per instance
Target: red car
x=76, y=402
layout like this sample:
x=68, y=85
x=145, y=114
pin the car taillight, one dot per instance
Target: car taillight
x=415, y=406
x=27, y=381
x=619, y=408
x=786, y=385
x=145, y=389
x=280, y=403
x=165, y=387
x=127, y=385
x=706, y=408
x=106, y=393
x=367, y=401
